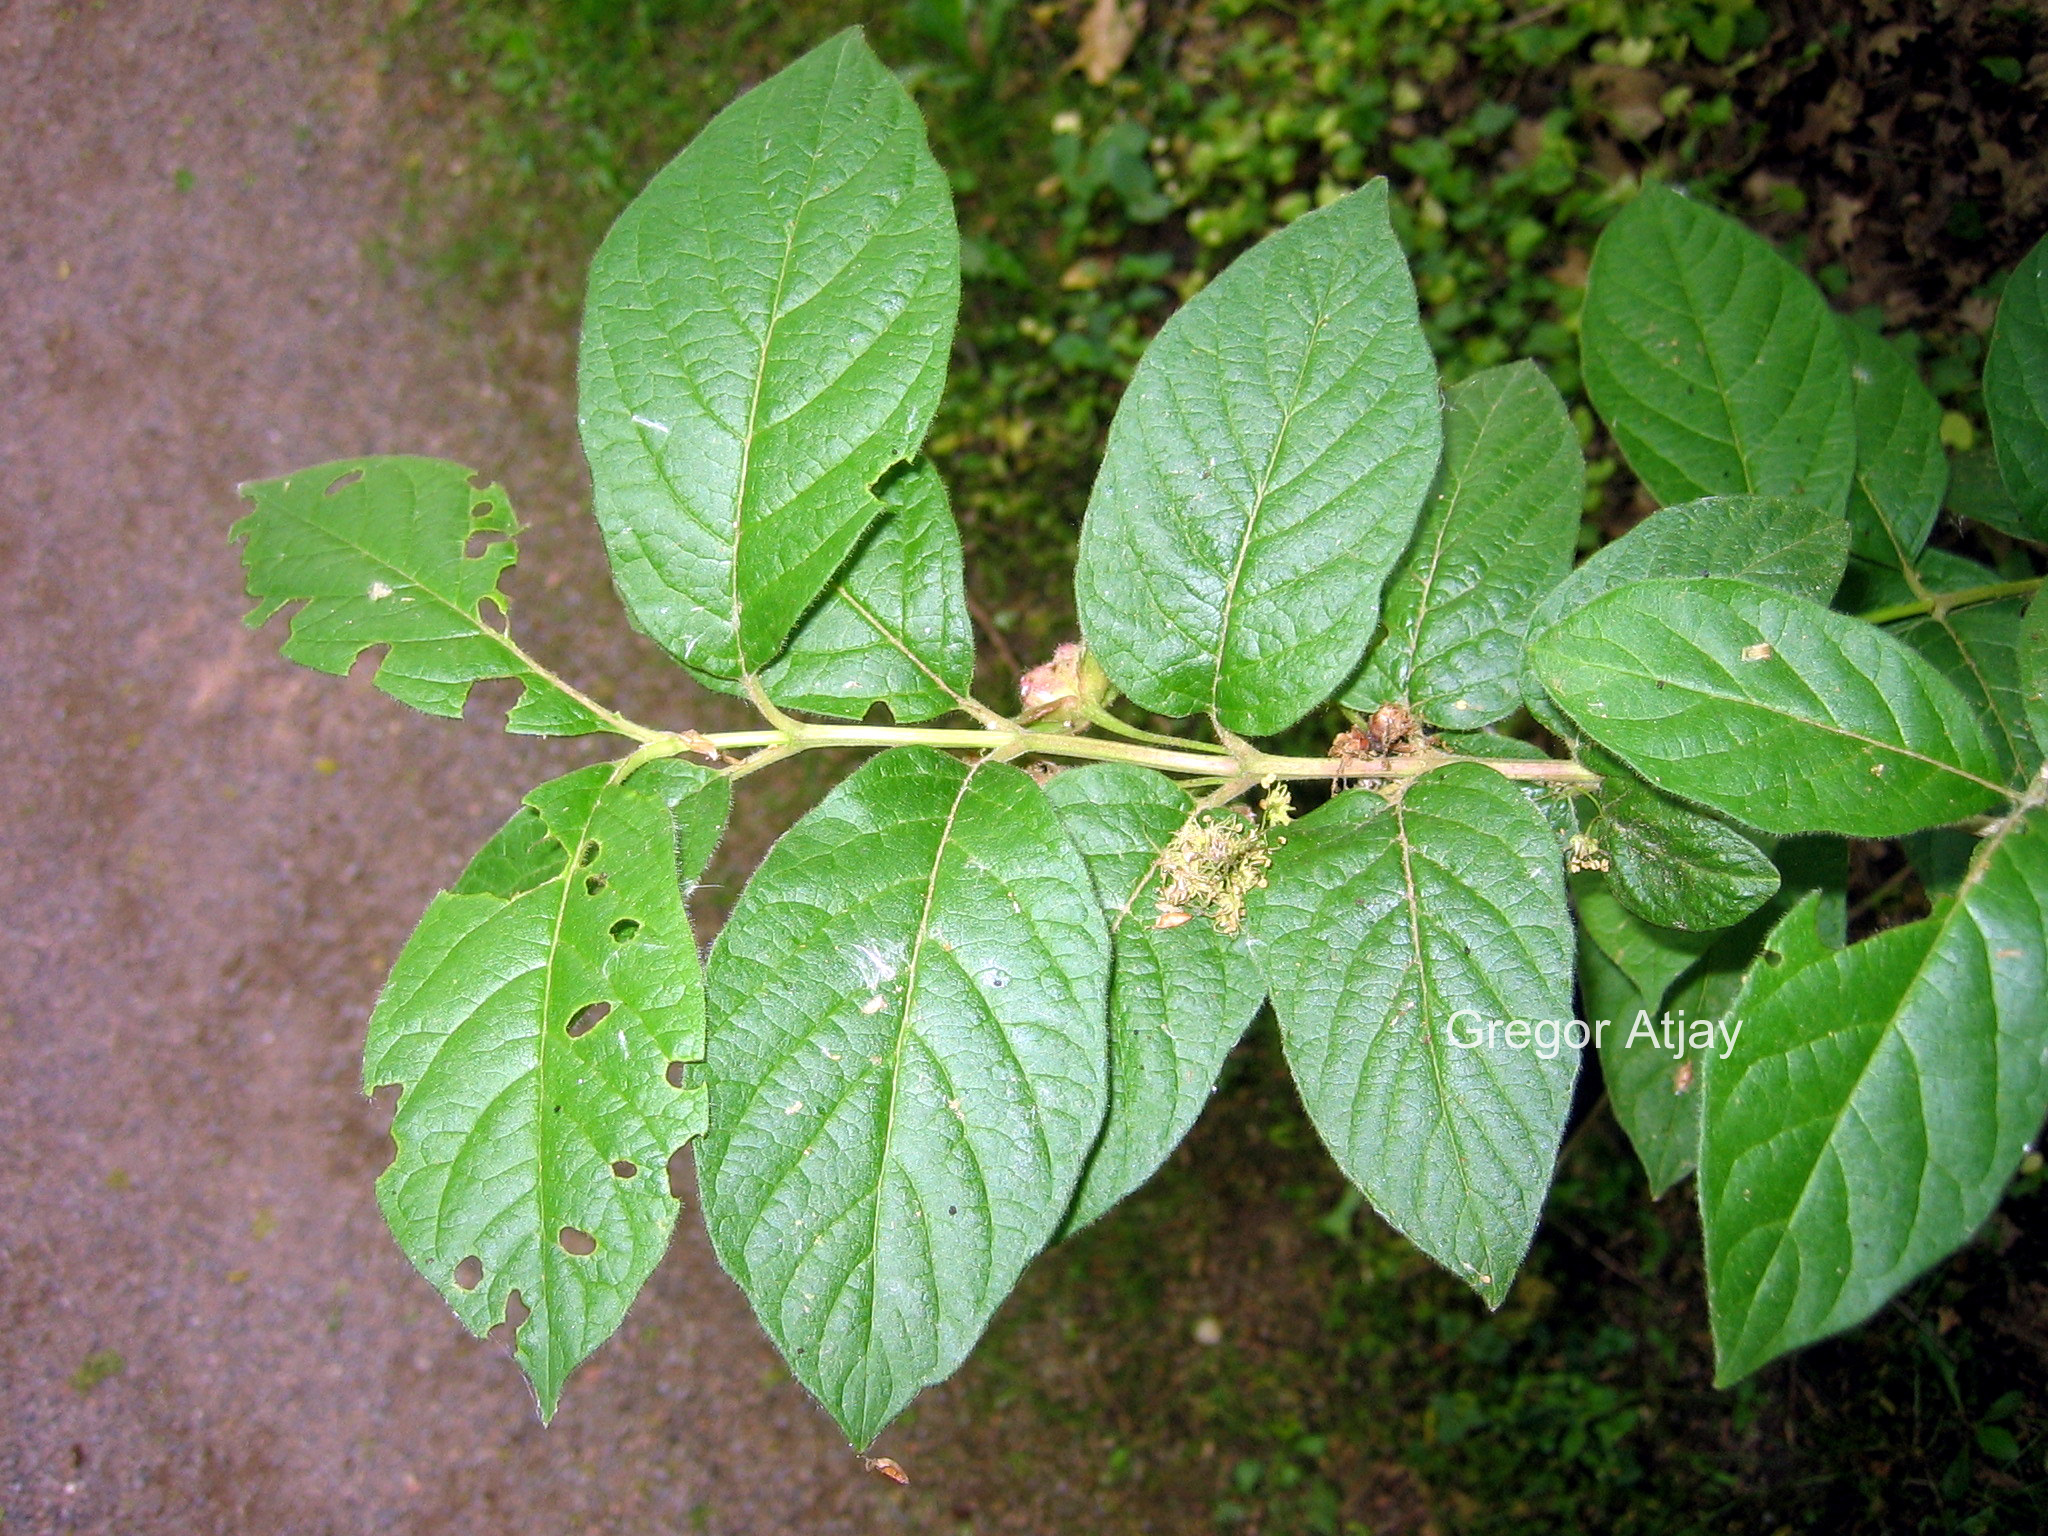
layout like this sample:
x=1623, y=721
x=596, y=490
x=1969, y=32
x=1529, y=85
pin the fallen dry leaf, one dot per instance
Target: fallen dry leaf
x=1108, y=34
x=887, y=1467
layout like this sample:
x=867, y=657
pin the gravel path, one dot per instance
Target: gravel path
x=211, y=857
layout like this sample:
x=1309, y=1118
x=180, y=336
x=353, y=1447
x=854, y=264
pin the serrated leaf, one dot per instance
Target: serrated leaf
x=1384, y=927
x=534, y=1028
x=1179, y=998
x=1263, y=474
x=2034, y=668
x=1767, y=708
x=1877, y=1101
x=893, y=626
x=1496, y=535
x=376, y=549
x=1714, y=361
x=1978, y=649
x=2016, y=390
x=1791, y=545
x=913, y=988
x=1901, y=466
x=1675, y=866
x=766, y=335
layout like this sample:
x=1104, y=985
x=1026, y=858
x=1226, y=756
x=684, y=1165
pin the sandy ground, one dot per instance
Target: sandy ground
x=210, y=857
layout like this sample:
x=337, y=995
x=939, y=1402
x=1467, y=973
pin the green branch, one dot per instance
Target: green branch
x=1941, y=604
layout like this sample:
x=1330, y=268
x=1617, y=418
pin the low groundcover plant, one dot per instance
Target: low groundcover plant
x=964, y=1007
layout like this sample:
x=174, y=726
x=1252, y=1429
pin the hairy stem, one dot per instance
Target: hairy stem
x=1942, y=603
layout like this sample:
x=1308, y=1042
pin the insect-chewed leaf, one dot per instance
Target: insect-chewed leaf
x=1874, y=1106
x=1794, y=546
x=538, y=1020
x=1715, y=362
x=1399, y=942
x=766, y=335
x=893, y=627
x=912, y=987
x=1495, y=537
x=2016, y=391
x=1672, y=865
x=1901, y=467
x=377, y=551
x=1769, y=708
x=1179, y=997
x=1263, y=474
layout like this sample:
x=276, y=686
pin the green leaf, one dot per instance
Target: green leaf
x=1263, y=474
x=2016, y=390
x=1901, y=467
x=1390, y=934
x=912, y=988
x=1651, y=1056
x=1978, y=649
x=2034, y=668
x=1791, y=545
x=376, y=550
x=766, y=335
x=1179, y=998
x=1975, y=491
x=1769, y=709
x=1867, y=584
x=893, y=626
x=1496, y=536
x=1714, y=361
x=1672, y=865
x=536, y=1027
x=1875, y=1106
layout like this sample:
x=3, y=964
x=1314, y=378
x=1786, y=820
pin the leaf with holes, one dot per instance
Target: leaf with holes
x=1495, y=537
x=766, y=335
x=1875, y=1105
x=1901, y=467
x=1770, y=709
x=908, y=1071
x=1179, y=997
x=538, y=1024
x=376, y=550
x=1263, y=474
x=1714, y=361
x=1791, y=545
x=2016, y=391
x=1395, y=938
x=892, y=628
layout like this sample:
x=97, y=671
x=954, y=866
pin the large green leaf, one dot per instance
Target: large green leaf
x=1791, y=545
x=893, y=626
x=908, y=1067
x=1976, y=490
x=1670, y=864
x=1714, y=361
x=1394, y=936
x=1876, y=1103
x=2016, y=390
x=1978, y=649
x=766, y=335
x=537, y=1021
x=1769, y=708
x=1652, y=1085
x=1263, y=474
x=1496, y=536
x=1901, y=467
x=377, y=551
x=1179, y=997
